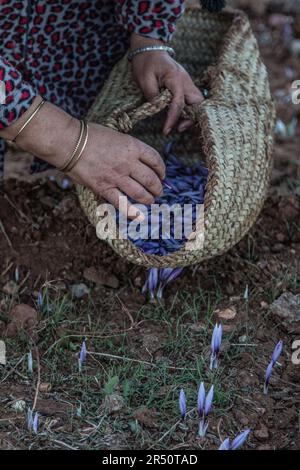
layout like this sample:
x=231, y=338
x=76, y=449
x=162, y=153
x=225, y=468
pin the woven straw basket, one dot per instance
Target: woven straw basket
x=233, y=133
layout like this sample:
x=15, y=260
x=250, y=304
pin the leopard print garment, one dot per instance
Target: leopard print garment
x=63, y=50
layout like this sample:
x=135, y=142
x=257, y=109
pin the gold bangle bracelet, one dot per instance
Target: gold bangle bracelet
x=70, y=159
x=29, y=119
x=85, y=139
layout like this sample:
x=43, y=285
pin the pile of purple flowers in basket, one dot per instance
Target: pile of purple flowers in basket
x=184, y=185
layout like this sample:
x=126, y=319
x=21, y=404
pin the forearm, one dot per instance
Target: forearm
x=51, y=135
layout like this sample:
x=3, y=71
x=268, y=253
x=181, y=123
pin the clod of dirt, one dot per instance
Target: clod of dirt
x=146, y=417
x=262, y=434
x=10, y=288
x=45, y=387
x=101, y=277
x=113, y=403
x=22, y=317
x=152, y=343
x=287, y=307
x=79, y=290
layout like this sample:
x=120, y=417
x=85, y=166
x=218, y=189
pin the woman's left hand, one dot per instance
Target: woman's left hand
x=156, y=70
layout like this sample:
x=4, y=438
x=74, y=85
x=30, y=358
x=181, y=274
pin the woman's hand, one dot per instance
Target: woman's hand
x=113, y=164
x=156, y=70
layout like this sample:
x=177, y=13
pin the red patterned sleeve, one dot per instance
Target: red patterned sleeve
x=16, y=95
x=154, y=19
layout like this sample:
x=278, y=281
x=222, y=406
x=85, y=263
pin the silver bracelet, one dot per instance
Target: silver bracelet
x=135, y=52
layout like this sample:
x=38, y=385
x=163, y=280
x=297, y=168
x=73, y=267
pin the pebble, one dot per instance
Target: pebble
x=80, y=290
x=287, y=307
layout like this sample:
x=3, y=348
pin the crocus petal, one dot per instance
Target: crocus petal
x=30, y=363
x=213, y=339
x=201, y=399
x=173, y=275
x=277, y=352
x=35, y=423
x=82, y=357
x=182, y=403
x=225, y=444
x=269, y=372
x=239, y=440
x=29, y=419
x=209, y=400
x=203, y=426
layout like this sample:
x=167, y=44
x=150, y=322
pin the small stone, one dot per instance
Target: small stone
x=262, y=433
x=10, y=288
x=243, y=339
x=287, y=307
x=19, y=405
x=22, y=317
x=79, y=290
x=228, y=313
x=113, y=403
x=45, y=387
x=264, y=305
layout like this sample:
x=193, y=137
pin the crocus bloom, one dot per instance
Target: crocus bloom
x=30, y=362
x=215, y=346
x=204, y=407
x=182, y=404
x=82, y=355
x=274, y=359
x=29, y=419
x=40, y=300
x=237, y=443
x=35, y=423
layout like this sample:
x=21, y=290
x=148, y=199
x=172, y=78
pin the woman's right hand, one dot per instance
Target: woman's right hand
x=113, y=164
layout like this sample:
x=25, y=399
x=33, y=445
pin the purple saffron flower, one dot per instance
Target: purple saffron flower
x=82, y=355
x=215, y=346
x=225, y=444
x=274, y=359
x=236, y=443
x=30, y=363
x=151, y=283
x=240, y=440
x=29, y=419
x=204, y=408
x=166, y=276
x=201, y=400
x=35, y=424
x=209, y=400
x=40, y=300
x=182, y=404
x=277, y=351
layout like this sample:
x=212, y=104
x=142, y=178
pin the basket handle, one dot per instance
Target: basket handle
x=126, y=117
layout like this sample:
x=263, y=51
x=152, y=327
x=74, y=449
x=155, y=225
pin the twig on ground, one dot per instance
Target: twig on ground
x=2, y=228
